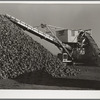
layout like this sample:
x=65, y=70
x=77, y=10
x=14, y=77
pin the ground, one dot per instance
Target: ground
x=11, y=84
x=88, y=79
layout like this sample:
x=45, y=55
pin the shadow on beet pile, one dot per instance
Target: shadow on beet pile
x=43, y=78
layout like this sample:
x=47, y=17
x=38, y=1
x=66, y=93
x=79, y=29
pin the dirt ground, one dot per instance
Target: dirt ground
x=12, y=84
x=88, y=79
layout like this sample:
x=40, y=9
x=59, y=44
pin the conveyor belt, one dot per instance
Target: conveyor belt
x=32, y=30
x=49, y=37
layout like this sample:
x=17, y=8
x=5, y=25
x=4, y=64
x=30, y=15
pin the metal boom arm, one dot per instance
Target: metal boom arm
x=49, y=37
x=32, y=30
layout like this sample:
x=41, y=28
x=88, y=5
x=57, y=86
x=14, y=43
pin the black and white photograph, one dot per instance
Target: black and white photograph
x=49, y=46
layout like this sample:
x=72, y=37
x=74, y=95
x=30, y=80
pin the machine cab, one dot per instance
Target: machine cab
x=67, y=36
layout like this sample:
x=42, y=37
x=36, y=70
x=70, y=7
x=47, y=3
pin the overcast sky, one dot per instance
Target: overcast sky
x=71, y=16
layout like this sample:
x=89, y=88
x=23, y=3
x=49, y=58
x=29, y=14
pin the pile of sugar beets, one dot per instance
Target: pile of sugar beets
x=20, y=54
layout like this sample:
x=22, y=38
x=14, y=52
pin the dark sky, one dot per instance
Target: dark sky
x=71, y=16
